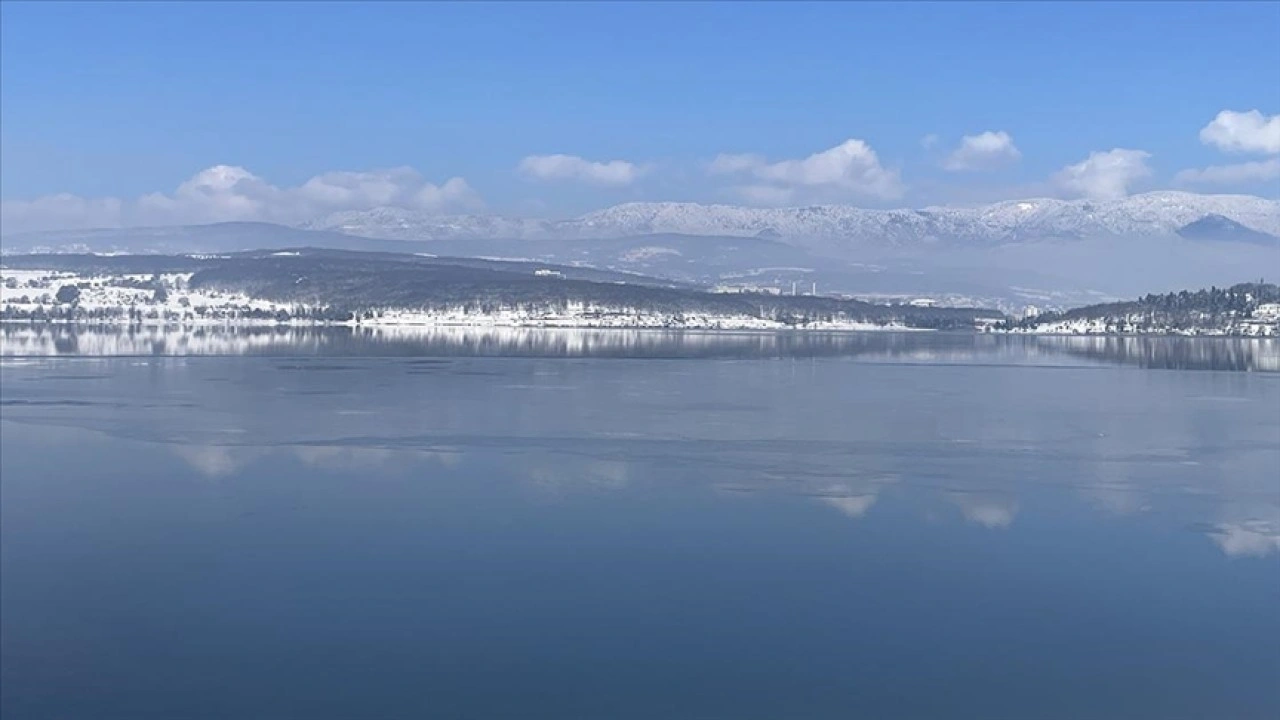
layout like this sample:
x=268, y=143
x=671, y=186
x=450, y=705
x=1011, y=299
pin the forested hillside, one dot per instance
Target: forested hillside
x=1246, y=308
x=323, y=285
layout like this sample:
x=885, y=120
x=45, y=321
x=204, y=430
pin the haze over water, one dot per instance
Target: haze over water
x=581, y=525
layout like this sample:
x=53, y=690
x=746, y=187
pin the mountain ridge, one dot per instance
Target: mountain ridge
x=1148, y=214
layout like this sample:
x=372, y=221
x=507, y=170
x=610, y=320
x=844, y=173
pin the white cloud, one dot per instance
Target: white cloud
x=1250, y=131
x=985, y=151
x=59, y=212
x=852, y=502
x=850, y=168
x=227, y=193
x=1251, y=537
x=992, y=511
x=572, y=167
x=731, y=163
x=855, y=506
x=347, y=458
x=1103, y=175
x=217, y=461
x=765, y=194
x=1237, y=174
x=928, y=141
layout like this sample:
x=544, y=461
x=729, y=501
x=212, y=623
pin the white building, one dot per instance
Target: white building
x=1267, y=311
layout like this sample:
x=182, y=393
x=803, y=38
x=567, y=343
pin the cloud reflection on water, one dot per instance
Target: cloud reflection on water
x=986, y=438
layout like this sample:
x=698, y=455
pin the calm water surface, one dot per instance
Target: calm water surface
x=598, y=525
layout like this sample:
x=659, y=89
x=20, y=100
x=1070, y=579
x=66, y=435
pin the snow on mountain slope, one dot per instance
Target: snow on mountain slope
x=400, y=224
x=1145, y=215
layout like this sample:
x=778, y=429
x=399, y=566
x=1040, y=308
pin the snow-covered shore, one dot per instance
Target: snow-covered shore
x=1245, y=327
x=169, y=300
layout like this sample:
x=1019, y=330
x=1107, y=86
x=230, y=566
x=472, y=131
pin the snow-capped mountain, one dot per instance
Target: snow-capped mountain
x=1145, y=215
x=395, y=223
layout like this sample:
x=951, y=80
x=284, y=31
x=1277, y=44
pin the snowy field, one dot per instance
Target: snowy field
x=159, y=298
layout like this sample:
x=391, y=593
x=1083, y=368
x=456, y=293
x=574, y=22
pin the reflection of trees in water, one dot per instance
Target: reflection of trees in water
x=61, y=339
x=536, y=342
x=1184, y=353
x=475, y=341
x=1173, y=353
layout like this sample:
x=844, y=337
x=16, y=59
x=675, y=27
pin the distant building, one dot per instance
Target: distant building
x=1030, y=311
x=1267, y=311
x=757, y=289
x=923, y=302
x=985, y=323
x=547, y=272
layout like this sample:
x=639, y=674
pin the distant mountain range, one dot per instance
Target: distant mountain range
x=1239, y=218
x=1042, y=251
x=1246, y=218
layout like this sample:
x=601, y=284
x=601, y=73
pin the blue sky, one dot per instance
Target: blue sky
x=117, y=101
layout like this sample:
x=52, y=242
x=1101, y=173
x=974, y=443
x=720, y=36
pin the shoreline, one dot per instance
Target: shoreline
x=745, y=327
x=760, y=326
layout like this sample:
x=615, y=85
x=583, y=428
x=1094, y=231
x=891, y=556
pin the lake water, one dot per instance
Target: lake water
x=527, y=524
